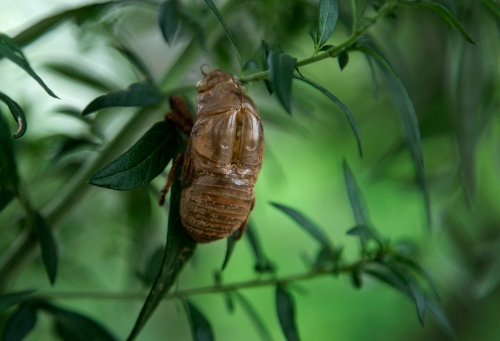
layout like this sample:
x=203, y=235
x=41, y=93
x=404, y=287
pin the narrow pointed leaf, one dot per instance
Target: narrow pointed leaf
x=214, y=9
x=328, y=16
x=70, y=144
x=358, y=206
x=266, y=50
x=315, y=231
x=441, y=319
x=14, y=298
x=179, y=249
x=367, y=233
x=8, y=171
x=281, y=68
x=78, y=74
x=200, y=327
x=48, y=247
x=286, y=314
x=18, y=114
x=343, y=59
x=342, y=106
x=231, y=241
x=9, y=49
x=5, y=198
x=47, y=24
x=136, y=61
x=136, y=95
x=254, y=317
x=444, y=13
x=262, y=264
x=493, y=7
x=168, y=20
x=142, y=162
x=410, y=121
x=73, y=326
x=20, y=323
x=153, y=266
x=252, y=64
x=403, y=283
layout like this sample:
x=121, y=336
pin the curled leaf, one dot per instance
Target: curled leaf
x=18, y=114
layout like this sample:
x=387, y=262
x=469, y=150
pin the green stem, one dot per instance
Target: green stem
x=332, y=52
x=216, y=289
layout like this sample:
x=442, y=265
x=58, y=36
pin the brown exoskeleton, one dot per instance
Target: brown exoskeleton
x=222, y=160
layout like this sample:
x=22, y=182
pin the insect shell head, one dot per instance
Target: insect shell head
x=216, y=77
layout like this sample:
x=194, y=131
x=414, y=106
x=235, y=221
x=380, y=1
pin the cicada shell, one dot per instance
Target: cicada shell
x=222, y=160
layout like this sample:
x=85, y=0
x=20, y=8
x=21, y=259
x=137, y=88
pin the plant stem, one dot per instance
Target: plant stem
x=221, y=288
x=332, y=52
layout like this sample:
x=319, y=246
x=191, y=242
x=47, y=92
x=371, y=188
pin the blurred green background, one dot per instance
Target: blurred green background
x=109, y=236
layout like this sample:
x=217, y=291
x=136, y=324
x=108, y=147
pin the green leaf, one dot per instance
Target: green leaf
x=444, y=13
x=440, y=317
x=358, y=206
x=73, y=326
x=8, y=171
x=254, y=317
x=262, y=264
x=231, y=241
x=20, y=323
x=366, y=233
x=342, y=106
x=135, y=95
x=357, y=279
x=70, y=144
x=200, y=327
x=403, y=282
x=359, y=9
x=343, y=58
x=286, y=313
x=14, y=298
x=142, y=162
x=136, y=61
x=168, y=20
x=410, y=121
x=266, y=50
x=78, y=74
x=46, y=25
x=48, y=247
x=153, y=267
x=18, y=114
x=5, y=198
x=493, y=7
x=328, y=16
x=12, y=51
x=252, y=64
x=315, y=231
x=214, y=9
x=281, y=67
x=180, y=247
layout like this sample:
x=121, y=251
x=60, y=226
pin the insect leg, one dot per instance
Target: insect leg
x=180, y=114
x=170, y=178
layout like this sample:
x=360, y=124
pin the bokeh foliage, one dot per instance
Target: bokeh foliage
x=380, y=168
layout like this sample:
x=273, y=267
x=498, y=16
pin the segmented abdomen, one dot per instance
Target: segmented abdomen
x=214, y=207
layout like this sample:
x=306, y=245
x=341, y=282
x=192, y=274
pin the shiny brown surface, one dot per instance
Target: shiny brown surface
x=223, y=159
